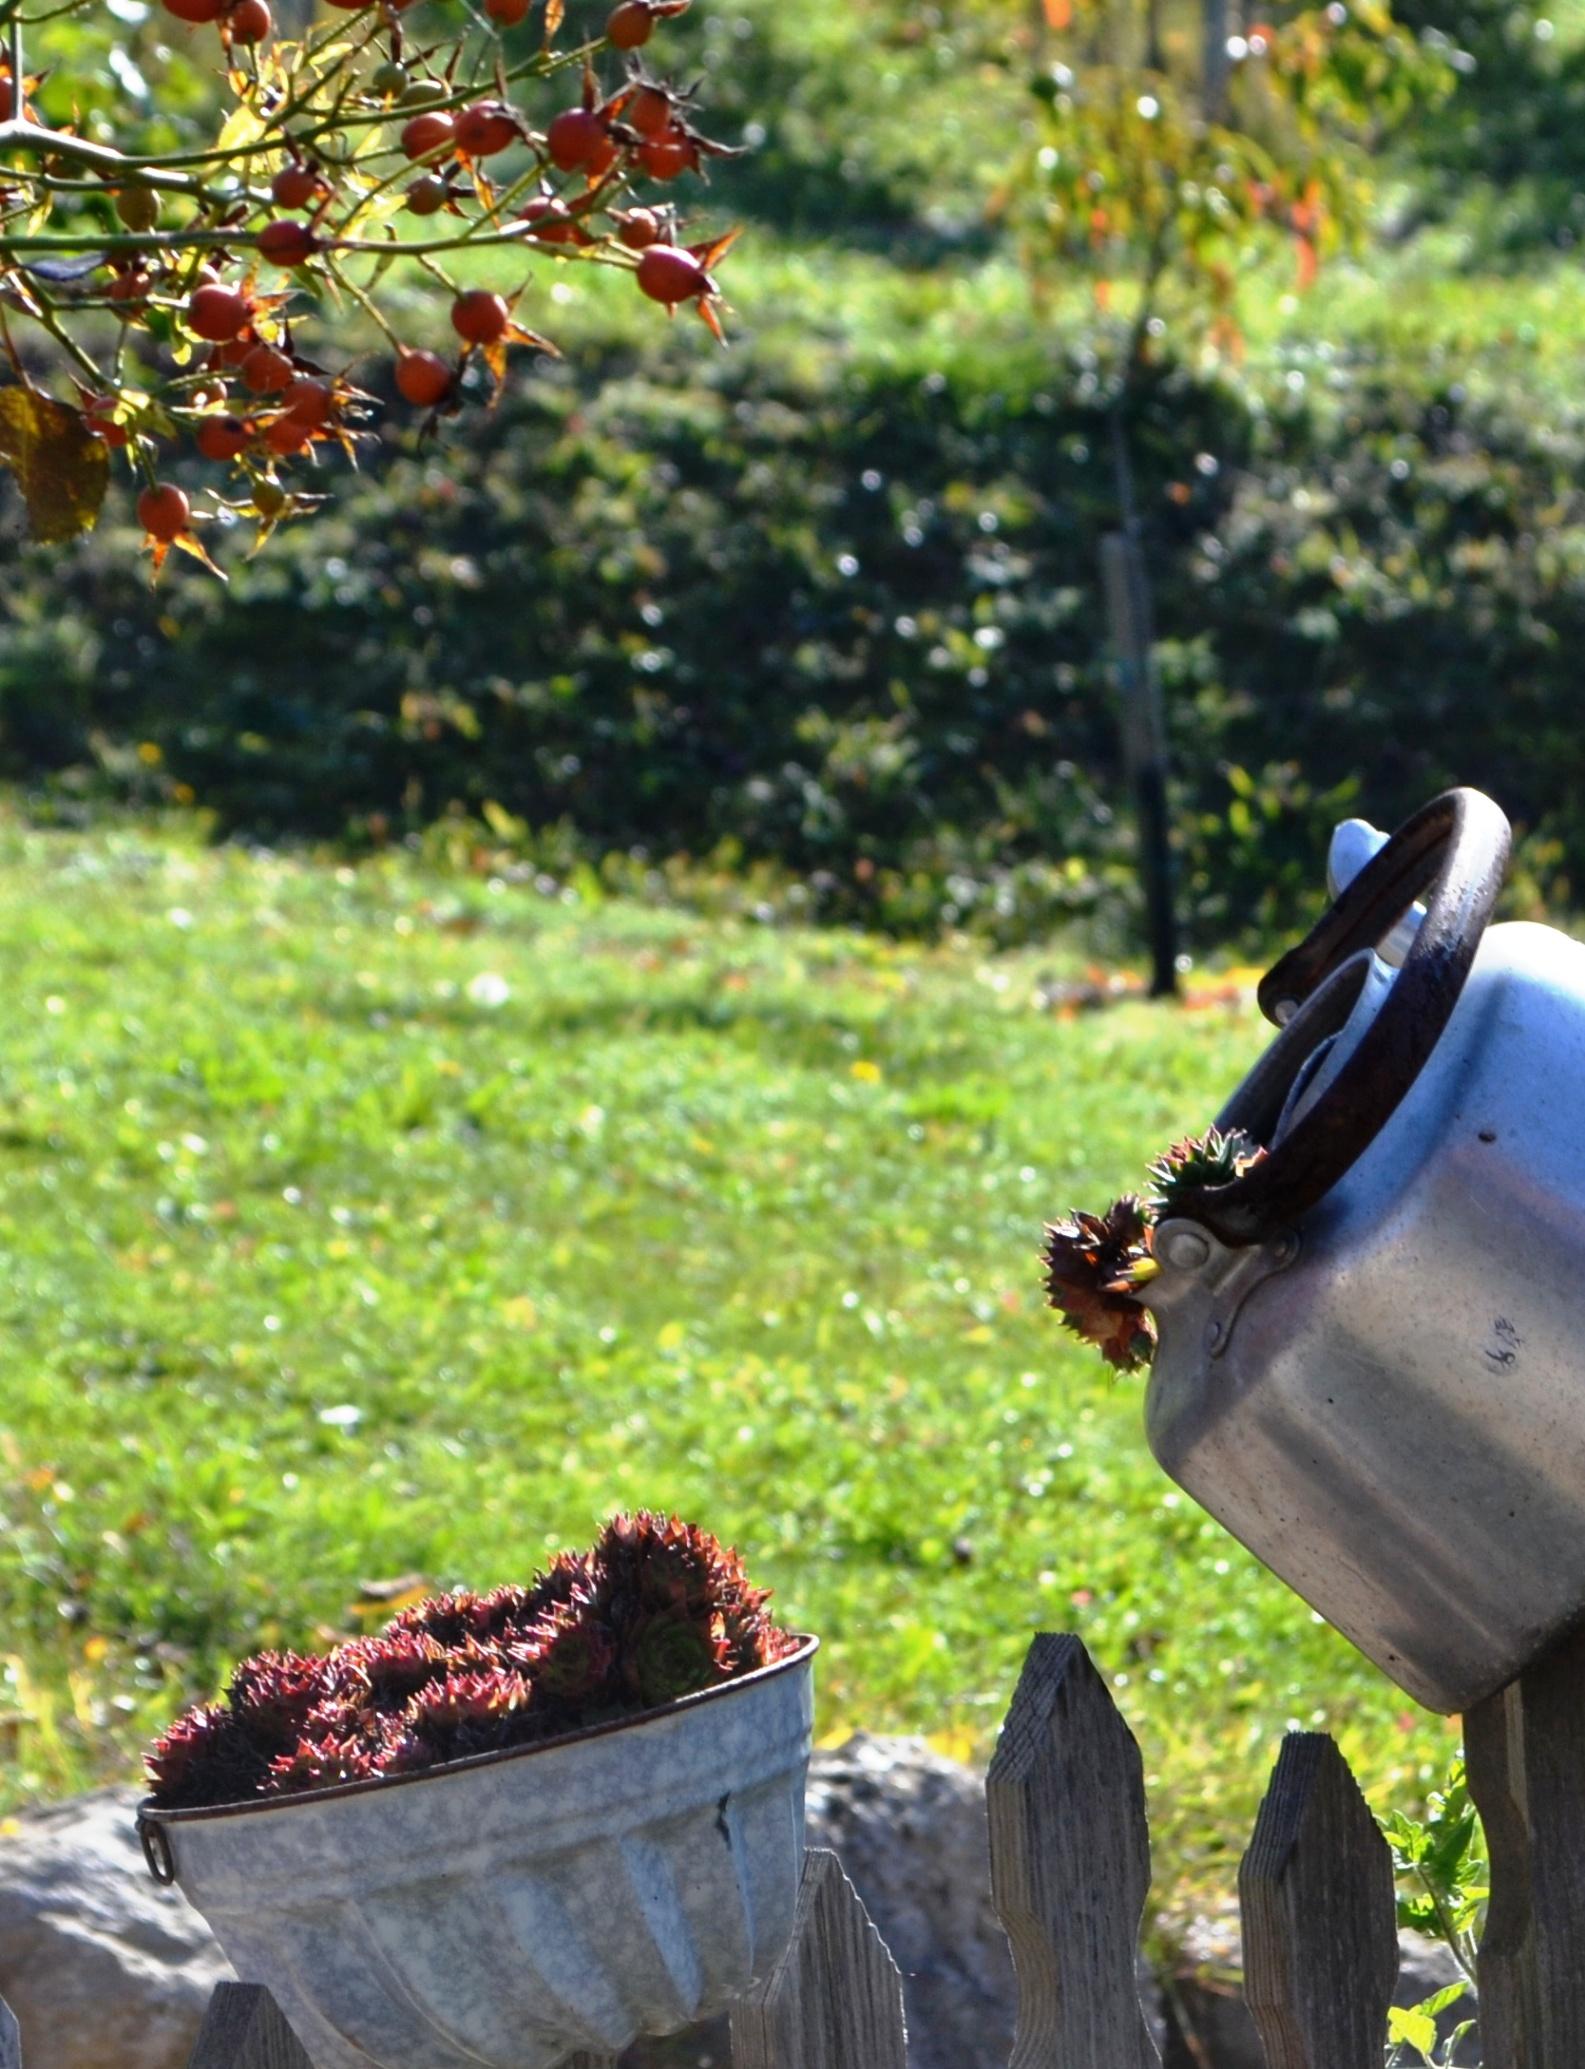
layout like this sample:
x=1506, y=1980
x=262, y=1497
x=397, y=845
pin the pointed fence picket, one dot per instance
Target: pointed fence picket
x=1070, y=1864
x=1069, y=1873
x=1320, y=1916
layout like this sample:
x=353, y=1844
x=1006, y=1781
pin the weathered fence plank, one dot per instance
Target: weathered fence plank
x=10, y=2038
x=835, y=1999
x=1070, y=1865
x=244, y=2028
x=1320, y=1926
x=1525, y=1748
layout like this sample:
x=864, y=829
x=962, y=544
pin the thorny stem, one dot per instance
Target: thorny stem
x=400, y=172
x=19, y=133
x=131, y=243
x=50, y=13
x=538, y=67
x=25, y=135
x=438, y=273
x=17, y=242
x=43, y=313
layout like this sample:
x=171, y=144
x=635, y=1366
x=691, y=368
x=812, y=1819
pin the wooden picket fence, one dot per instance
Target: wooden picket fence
x=1070, y=1870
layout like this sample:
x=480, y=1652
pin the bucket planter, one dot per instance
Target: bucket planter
x=513, y=1907
x=1360, y=1293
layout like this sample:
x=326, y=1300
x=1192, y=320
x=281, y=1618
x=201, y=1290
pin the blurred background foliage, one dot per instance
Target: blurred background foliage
x=821, y=613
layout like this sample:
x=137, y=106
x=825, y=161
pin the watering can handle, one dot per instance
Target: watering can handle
x=1457, y=845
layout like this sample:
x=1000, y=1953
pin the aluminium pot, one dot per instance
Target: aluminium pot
x=1371, y=1356
x=514, y=1908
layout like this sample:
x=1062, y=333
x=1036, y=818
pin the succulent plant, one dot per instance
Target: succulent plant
x=1209, y=1159
x=673, y=1653
x=571, y=1658
x=1093, y=1265
x=272, y=1694
x=475, y=1712
x=1096, y=1263
x=385, y=1672
x=505, y=1609
x=568, y=1578
x=448, y=1619
x=657, y=1610
x=206, y=1756
x=340, y=1743
x=661, y=1562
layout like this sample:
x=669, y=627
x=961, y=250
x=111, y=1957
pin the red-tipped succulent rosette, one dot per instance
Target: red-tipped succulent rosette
x=657, y=1610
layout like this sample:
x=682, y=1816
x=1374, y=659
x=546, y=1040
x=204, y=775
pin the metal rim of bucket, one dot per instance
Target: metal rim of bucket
x=1458, y=846
x=152, y=1817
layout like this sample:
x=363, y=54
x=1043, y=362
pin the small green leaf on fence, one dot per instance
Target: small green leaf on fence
x=61, y=468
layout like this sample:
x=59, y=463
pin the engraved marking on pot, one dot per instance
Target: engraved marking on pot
x=721, y=1824
x=1503, y=1350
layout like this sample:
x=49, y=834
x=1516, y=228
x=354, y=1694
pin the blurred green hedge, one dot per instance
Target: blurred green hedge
x=845, y=624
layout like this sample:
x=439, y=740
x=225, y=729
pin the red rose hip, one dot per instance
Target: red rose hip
x=479, y=317
x=422, y=378
x=297, y=186
x=575, y=138
x=287, y=243
x=163, y=511
x=428, y=132
x=631, y=25
x=668, y=275
x=221, y=437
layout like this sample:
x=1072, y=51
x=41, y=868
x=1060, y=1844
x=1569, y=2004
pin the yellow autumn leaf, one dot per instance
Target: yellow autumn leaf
x=370, y=214
x=243, y=126
x=61, y=468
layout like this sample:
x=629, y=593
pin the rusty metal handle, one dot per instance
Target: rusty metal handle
x=1458, y=845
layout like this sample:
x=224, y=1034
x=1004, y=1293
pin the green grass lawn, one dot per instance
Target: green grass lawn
x=360, y=1222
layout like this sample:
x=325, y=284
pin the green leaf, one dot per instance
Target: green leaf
x=1413, y=2025
x=61, y=468
x=1439, y=2000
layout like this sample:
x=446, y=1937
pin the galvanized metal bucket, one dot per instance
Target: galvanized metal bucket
x=514, y=1908
x=1371, y=1364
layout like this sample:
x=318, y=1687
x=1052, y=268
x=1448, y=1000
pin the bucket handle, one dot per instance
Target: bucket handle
x=1458, y=846
x=156, y=1844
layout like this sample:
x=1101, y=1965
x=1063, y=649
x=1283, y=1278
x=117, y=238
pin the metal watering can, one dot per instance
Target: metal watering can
x=1371, y=1358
